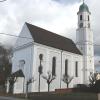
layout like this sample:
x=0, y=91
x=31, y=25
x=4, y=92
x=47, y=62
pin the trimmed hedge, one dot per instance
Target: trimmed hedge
x=68, y=96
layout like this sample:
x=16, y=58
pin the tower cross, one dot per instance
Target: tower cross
x=82, y=1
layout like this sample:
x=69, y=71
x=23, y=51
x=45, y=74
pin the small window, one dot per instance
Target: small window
x=21, y=64
x=80, y=17
x=66, y=67
x=88, y=18
x=53, y=66
x=76, y=69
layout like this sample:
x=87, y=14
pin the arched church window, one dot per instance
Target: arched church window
x=40, y=68
x=88, y=18
x=66, y=67
x=80, y=17
x=41, y=56
x=53, y=66
x=76, y=69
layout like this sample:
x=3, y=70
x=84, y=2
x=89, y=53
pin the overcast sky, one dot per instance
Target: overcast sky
x=59, y=16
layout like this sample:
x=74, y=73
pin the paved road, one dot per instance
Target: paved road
x=10, y=98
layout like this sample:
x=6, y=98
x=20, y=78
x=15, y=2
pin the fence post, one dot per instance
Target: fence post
x=98, y=96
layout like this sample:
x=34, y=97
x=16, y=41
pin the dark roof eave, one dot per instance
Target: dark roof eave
x=79, y=53
x=83, y=11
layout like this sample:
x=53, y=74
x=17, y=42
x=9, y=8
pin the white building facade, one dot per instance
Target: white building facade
x=60, y=55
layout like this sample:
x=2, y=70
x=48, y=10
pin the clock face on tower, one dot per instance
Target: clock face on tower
x=81, y=25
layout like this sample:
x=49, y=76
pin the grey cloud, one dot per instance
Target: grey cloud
x=97, y=63
x=97, y=50
x=14, y=13
x=96, y=26
x=67, y=1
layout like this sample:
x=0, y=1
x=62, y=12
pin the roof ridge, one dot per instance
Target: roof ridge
x=48, y=31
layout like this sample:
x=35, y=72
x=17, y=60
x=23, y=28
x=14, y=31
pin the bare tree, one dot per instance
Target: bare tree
x=5, y=64
x=49, y=78
x=31, y=80
x=67, y=79
x=12, y=80
x=93, y=78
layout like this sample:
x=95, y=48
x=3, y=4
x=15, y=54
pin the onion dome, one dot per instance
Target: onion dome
x=84, y=8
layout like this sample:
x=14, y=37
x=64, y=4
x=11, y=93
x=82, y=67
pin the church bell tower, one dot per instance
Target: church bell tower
x=84, y=39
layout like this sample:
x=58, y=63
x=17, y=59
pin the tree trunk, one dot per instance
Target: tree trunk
x=26, y=90
x=67, y=85
x=48, y=87
x=39, y=83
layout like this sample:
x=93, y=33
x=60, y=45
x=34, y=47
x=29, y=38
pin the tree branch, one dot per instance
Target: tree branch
x=2, y=0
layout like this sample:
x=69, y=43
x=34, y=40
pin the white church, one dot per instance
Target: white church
x=59, y=55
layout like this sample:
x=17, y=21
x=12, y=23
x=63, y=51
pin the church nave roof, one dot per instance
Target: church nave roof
x=51, y=39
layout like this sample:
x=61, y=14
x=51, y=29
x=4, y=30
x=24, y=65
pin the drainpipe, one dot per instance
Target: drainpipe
x=61, y=69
